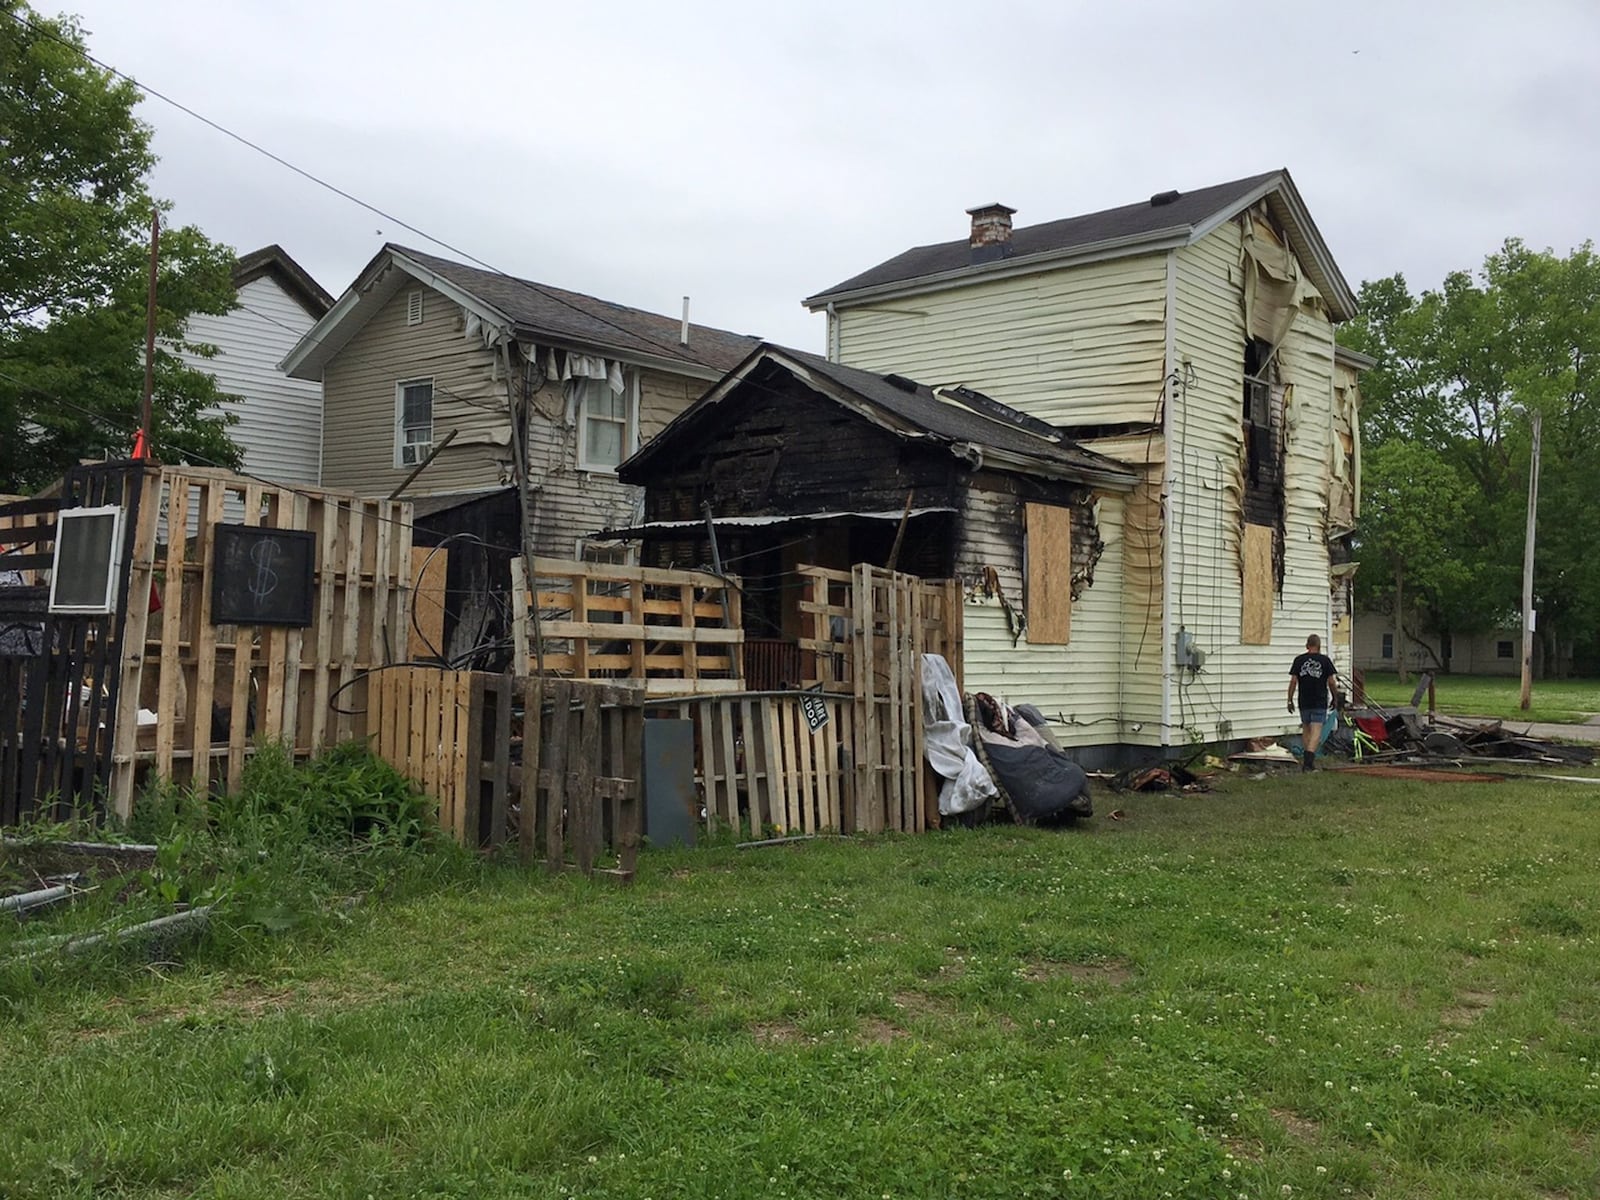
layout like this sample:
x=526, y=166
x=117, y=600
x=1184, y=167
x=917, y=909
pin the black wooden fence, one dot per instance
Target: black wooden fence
x=59, y=673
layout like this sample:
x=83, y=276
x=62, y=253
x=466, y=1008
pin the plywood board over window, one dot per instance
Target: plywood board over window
x=1048, y=598
x=1258, y=586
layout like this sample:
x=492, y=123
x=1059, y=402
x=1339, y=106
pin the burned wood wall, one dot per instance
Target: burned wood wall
x=775, y=448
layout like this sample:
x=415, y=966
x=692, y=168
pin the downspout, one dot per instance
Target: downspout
x=832, y=333
x=1170, y=391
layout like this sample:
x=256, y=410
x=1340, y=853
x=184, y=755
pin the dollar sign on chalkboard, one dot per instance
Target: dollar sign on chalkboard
x=265, y=580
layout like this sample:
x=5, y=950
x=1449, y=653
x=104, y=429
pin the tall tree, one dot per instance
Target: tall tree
x=75, y=205
x=1460, y=371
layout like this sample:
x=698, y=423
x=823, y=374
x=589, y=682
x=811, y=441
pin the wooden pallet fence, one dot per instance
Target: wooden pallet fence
x=760, y=768
x=552, y=763
x=866, y=630
x=425, y=727
x=672, y=632
x=220, y=689
x=62, y=694
x=580, y=800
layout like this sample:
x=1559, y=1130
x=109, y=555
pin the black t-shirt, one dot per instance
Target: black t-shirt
x=1313, y=671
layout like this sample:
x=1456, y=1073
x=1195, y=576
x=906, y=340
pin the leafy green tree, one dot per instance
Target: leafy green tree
x=1460, y=371
x=75, y=207
x=1411, y=493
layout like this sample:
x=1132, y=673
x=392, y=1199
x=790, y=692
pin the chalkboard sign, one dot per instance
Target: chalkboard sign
x=262, y=576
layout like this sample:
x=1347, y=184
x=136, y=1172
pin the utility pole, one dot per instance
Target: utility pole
x=145, y=410
x=1527, y=569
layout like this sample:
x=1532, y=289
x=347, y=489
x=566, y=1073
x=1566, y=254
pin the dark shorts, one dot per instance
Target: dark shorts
x=1313, y=716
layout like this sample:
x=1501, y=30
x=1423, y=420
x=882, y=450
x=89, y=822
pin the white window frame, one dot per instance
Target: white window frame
x=630, y=432
x=400, y=442
x=106, y=603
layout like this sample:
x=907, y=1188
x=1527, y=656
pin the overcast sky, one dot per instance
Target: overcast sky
x=751, y=153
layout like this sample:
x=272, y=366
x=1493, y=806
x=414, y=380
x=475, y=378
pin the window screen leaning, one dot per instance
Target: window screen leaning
x=415, y=437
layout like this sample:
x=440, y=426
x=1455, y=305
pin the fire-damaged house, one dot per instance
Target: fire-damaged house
x=1190, y=336
x=793, y=460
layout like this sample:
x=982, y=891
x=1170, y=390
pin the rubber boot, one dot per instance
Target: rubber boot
x=1309, y=763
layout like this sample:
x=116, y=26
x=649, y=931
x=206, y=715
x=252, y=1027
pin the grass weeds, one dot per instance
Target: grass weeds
x=1320, y=988
x=1561, y=701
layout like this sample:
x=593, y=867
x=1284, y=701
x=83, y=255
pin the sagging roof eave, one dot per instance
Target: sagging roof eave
x=1108, y=477
x=1354, y=358
x=1124, y=247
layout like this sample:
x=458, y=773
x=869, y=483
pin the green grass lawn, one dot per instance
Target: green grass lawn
x=1559, y=700
x=1316, y=987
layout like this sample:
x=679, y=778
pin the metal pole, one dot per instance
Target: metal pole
x=1527, y=570
x=145, y=410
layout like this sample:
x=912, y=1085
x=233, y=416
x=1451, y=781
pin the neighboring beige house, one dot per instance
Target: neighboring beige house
x=1192, y=336
x=420, y=350
x=278, y=420
x=1496, y=652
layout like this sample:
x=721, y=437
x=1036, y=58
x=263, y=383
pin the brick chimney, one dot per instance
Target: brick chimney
x=991, y=232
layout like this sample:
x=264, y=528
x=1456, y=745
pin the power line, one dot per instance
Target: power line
x=45, y=31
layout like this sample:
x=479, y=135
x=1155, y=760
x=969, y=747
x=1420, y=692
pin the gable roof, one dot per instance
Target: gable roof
x=525, y=310
x=291, y=276
x=975, y=428
x=1182, y=218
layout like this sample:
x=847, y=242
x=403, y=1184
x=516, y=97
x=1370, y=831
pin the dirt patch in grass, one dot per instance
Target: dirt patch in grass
x=878, y=1032
x=1299, y=1128
x=920, y=1004
x=776, y=1033
x=1111, y=971
x=1244, y=1149
x=1469, y=1006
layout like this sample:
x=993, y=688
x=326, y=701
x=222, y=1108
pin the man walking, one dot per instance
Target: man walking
x=1314, y=674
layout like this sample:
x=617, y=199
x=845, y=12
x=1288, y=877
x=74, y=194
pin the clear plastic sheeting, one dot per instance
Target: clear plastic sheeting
x=947, y=741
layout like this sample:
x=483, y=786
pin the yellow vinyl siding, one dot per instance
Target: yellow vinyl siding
x=358, y=448
x=1080, y=345
x=1077, y=686
x=1242, y=684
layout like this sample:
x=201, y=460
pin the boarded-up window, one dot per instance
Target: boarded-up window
x=1258, y=586
x=1048, y=598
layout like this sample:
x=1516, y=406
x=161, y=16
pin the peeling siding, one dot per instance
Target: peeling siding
x=1077, y=686
x=470, y=397
x=1244, y=685
x=279, y=418
x=1077, y=346
x=359, y=402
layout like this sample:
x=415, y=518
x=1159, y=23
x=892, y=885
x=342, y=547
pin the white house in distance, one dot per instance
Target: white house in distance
x=279, y=425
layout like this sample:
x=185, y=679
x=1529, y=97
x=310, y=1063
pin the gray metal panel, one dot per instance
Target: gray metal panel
x=671, y=807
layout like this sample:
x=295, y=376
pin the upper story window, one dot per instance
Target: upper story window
x=607, y=422
x=413, y=420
